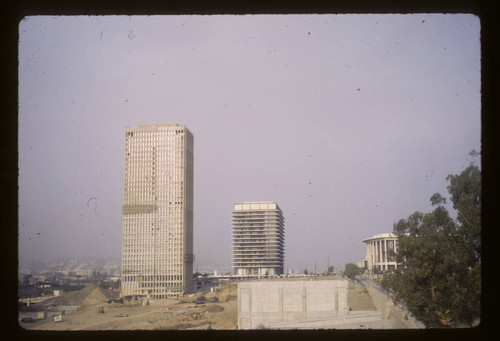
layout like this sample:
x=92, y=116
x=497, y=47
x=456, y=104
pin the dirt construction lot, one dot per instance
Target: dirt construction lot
x=360, y=300
x=174, y=314
x=210, y=316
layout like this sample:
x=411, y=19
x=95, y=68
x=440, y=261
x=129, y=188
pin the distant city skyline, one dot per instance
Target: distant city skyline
x=349, y=122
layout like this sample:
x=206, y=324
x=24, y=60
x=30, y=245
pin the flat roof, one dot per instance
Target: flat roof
x=380, y=236
x=159, y=125
x=156, y=127
x=256, y=205
x=255, y=202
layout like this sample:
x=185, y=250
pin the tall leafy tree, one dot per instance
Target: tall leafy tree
x=351, y=270
x=440, y=282
x=465, y=191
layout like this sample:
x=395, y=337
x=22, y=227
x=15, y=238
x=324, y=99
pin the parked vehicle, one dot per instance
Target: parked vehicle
x=28, y=320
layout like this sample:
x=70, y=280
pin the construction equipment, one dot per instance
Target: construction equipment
x=191, y=317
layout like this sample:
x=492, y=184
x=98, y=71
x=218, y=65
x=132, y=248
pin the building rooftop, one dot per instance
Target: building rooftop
x=256, y=205
x=158, y=125
x=380, y=236
x=256, y=202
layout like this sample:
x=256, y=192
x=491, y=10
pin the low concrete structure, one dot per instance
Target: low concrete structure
x=66, y=309
x=353, y=320
x=292, y=304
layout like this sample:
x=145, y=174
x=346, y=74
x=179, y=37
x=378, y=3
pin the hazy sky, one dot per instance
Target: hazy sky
x=348, y=122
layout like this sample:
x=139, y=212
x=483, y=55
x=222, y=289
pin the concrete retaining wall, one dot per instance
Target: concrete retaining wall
x=262, y=303
x=354, y=320
x=401, y=318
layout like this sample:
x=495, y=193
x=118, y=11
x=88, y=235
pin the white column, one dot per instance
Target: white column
x=372, y=255
x=374, y=259
x=386, y=254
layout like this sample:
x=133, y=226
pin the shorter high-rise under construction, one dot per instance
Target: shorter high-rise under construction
x=258, y=239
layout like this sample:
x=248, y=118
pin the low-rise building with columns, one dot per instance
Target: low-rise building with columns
x=377, y=257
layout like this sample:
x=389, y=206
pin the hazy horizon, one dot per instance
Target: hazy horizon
x=348, y=122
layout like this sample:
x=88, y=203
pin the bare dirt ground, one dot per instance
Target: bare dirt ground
x=210, y=316
x=176, y=314
x=360, y=300
x=173, y=314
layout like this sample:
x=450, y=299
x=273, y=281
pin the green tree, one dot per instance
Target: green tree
x=351, y=270
x=440, y=282
x=465, y=191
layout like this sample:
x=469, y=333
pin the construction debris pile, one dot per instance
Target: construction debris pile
x=91, y=294
x=190, y=313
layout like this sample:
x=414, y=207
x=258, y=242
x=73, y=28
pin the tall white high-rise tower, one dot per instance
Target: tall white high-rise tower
x=157, y=241
x=258, y=239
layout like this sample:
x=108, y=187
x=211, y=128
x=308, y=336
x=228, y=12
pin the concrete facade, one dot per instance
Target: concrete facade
x=280, y=304
x=378, y=258
x=258, y=239
x=157, y=241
